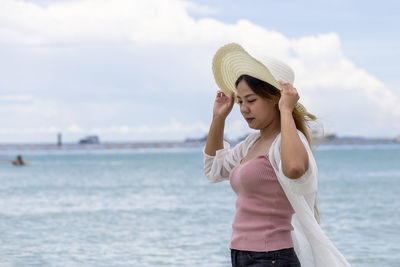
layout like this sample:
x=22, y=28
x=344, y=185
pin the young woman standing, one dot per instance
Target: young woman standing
x=273, y=172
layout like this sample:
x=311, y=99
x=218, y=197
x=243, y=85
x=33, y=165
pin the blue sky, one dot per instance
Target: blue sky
x=141, y=70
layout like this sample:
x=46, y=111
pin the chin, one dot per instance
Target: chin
x=255, y=127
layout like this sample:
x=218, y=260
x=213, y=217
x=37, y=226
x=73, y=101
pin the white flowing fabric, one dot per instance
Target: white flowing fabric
x=312, y=246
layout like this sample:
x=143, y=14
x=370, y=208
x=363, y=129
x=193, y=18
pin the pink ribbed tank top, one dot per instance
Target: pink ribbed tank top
x=263, y=213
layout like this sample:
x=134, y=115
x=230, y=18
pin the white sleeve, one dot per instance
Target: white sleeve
x=218, y=167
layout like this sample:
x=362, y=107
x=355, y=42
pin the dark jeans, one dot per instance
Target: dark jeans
x=278, y=258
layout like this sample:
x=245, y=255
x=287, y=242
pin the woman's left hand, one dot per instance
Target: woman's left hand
x=289, y=97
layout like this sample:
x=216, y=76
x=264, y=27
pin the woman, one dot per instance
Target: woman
x=273, y=172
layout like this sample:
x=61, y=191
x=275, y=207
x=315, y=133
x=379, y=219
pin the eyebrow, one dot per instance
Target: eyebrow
x=246, y=96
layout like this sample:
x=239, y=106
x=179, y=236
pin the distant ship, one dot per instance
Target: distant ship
x=90, y=140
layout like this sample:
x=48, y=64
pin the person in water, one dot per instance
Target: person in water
x=273, y=171
x=19, y=161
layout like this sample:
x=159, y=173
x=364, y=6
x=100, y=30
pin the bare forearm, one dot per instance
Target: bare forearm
x=215, y=136
x=293, y=153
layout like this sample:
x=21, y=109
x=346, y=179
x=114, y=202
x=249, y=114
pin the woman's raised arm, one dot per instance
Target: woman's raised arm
x=222, y=107
x=293, y=153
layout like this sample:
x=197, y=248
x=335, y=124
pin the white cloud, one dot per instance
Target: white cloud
x=97, y=20
x=74, y=128
x=7, y=99
x=329, y=83
x=32, y=130
x=25, y=111
x=174, y=129
x=203, y=10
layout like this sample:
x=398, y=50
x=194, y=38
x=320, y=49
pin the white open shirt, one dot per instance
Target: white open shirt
x=312, y=246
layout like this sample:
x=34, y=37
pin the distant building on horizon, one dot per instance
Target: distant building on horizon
x=90, y=140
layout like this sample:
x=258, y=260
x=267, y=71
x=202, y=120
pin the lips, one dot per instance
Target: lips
x=249, y=120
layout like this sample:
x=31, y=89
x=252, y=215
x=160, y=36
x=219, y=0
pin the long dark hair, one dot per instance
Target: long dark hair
x=268, y=91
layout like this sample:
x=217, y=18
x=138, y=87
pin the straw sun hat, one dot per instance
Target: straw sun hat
x=231, y=61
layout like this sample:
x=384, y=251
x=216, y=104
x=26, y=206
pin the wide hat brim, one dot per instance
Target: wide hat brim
x=231, y=61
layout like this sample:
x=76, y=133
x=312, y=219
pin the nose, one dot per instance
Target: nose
x=244, y=109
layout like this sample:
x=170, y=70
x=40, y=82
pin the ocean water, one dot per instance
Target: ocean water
x=154, y=207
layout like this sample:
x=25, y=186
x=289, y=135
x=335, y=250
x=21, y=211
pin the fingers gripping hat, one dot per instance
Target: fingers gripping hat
x=231, y=61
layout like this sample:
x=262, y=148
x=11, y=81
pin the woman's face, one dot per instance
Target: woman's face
x=259, y=112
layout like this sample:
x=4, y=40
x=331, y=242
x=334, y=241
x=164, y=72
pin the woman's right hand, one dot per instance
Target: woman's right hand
x=223, y=105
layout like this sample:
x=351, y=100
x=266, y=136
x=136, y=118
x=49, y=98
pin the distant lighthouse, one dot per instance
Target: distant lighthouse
x=59, y=141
